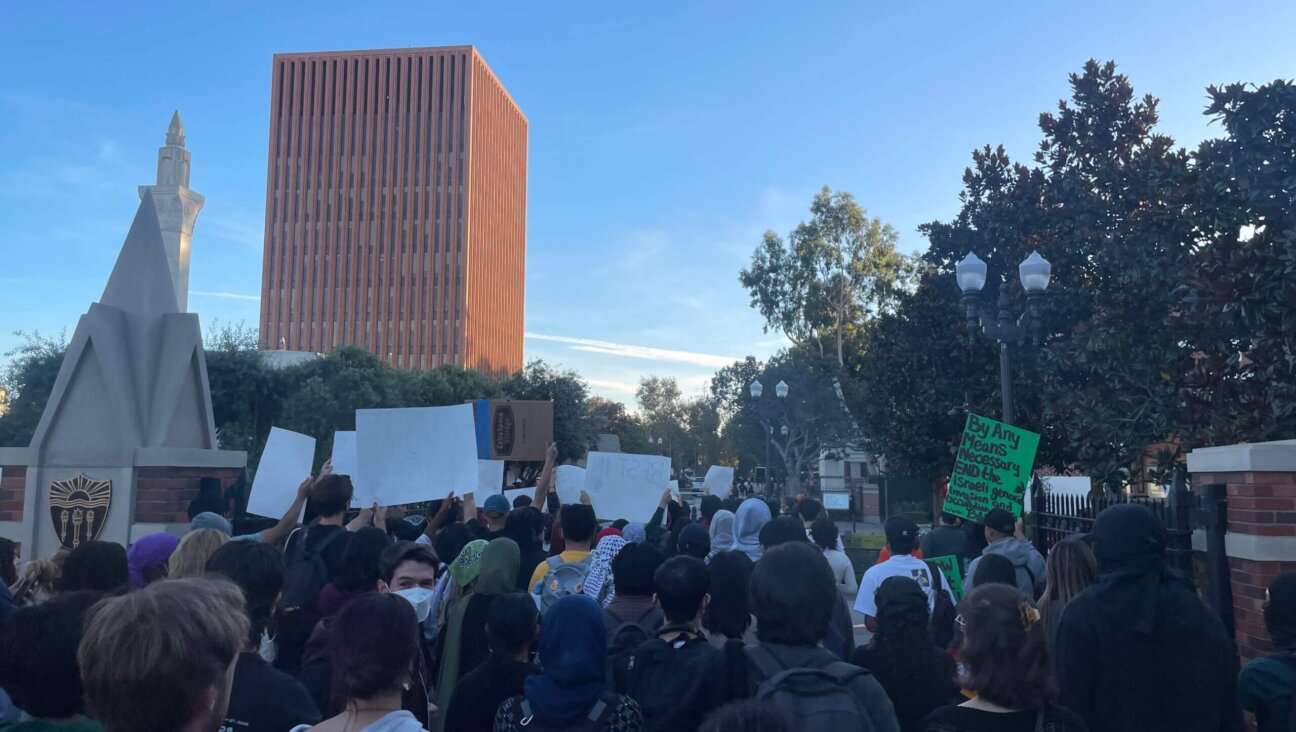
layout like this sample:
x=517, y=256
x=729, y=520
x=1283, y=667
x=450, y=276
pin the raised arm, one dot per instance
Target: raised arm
x=435, y=523
x=362, y=519
x=545, y=482
x=290, y=518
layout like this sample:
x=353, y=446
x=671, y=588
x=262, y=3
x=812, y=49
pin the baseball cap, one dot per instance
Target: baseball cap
x=1002, y=521
x=899, y=528
x=496, y=504
x=209, y=520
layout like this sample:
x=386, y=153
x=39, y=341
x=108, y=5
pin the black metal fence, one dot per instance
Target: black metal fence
x=1057, y=517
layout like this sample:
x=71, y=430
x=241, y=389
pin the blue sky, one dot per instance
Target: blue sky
x=664, y=137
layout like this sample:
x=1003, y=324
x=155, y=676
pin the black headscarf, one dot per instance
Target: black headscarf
x=899, y=596
x=1280, y=611
x=1129, y=542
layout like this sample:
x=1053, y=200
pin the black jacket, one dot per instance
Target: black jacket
x=478, y=695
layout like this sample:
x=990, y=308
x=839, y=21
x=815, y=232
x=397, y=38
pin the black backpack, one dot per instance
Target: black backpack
x=521, y=716
x=945, y=613
x=622, y=640
x=811, y=699
x=307, y=573
x=676, y=684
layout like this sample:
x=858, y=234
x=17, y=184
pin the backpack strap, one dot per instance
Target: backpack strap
x=766, y=662
x=937, y=576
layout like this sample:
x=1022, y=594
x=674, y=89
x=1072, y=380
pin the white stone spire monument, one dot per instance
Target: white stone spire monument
x=177, y=207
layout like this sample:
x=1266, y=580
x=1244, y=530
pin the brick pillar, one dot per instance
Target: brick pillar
x=1260, y=542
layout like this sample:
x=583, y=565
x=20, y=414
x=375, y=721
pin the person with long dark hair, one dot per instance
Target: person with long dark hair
x=358, y=572
x=728, y=616
x=1008, y=667
x=100, y=566
x=917, y=676
x=373, y=649
x=1069, y=570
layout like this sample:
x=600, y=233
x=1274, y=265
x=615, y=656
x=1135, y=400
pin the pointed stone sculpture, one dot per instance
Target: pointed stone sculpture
x=128, y=436
x=177, y=207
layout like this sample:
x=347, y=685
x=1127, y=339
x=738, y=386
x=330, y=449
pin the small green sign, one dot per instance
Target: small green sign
x=952, y=567
x=993, y=469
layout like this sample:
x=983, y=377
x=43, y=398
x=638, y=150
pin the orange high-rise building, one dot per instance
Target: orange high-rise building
x=395, y=208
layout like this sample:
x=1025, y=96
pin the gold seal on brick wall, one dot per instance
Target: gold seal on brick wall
x=79, y=508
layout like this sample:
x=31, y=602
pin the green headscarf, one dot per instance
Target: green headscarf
x=465, y=567
x=495, y=570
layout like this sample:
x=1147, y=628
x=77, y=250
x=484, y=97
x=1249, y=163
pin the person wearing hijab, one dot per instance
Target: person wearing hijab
x=1139, y=650
x=570, y=688
x=672, y=539
x=751, y=517
x=1266, y=684
x=634, y=534
x=917, y=676
x=465, y=645
x=721, y=532
x=146, y=560
x=599, y=583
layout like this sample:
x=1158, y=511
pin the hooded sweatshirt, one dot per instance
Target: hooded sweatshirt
x=752, y=516
x=1028, y=563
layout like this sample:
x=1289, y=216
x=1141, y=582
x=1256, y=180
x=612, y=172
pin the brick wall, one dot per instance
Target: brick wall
x=870, y=505
x=13, y=490
x=162, y=495
x=1261, y=504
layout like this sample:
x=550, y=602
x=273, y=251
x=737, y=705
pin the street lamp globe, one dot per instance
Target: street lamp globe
x=757, y=389
x=781, y=389
x=1035, y=272
x=659, y=440
x=970, y=273
x=784, y=430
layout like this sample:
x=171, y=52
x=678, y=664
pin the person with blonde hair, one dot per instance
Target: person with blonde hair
x=190, y=556
x=1069, y=570
x=161, y=659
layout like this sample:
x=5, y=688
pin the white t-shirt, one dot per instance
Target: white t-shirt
x=899, y=565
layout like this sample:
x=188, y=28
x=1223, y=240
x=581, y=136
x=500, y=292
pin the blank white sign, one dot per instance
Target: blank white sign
x=419, y=454
x=344, y=463
x=626, y=486
x=490, y=478
x=719, y=480
x=569, y=481
x=286, y=461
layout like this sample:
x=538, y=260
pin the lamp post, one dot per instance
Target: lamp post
x=781, y=392
x=1034, y=273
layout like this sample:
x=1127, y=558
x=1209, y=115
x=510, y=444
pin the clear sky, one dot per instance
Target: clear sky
x=664, y=136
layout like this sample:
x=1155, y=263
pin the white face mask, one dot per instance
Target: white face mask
x=420, y=598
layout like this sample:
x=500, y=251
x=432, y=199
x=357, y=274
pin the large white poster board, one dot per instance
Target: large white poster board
x=286, y=461
x=419, y=454
x=344, y=463
x=569, y=481
x=719, y=480
x=490, y=478
x=626, y=486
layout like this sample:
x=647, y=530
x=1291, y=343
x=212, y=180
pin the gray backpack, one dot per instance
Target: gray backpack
x=811, y=699
x=563, y=579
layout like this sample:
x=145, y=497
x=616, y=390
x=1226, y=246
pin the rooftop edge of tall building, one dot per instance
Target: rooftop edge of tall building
x=380, y=52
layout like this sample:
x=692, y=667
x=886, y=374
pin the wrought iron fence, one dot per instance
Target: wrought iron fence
x=1058, y=517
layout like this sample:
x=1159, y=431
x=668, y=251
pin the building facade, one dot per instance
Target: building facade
x=395, y=208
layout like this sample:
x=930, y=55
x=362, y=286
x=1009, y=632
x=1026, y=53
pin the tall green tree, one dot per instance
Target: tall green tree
x=833, y=272
x=26, y=382
x=1238, y=319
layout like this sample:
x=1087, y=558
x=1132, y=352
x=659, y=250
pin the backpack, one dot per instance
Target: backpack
x=307, y=573
x=521, y=716
x=622, y=640
x=944, y=613
x=811, y=699
x=563, y=579
x=676, y=684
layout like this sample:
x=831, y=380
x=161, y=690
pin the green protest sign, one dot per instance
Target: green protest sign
x=952, y=568
x=993, y=468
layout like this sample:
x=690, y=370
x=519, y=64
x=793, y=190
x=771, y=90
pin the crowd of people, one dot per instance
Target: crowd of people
x=532, y=615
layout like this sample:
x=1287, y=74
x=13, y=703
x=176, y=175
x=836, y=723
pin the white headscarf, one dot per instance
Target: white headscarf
x=752, y=516
x=722, y=538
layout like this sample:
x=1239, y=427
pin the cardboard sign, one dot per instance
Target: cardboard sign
x=512, y=430
x=719, y=480
x=836, y=501
x=993, y=469
x=286, y=461
x=569, y=481
x=952, y=568
x=408, y=455
x=490, y=477
x=626, y=486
